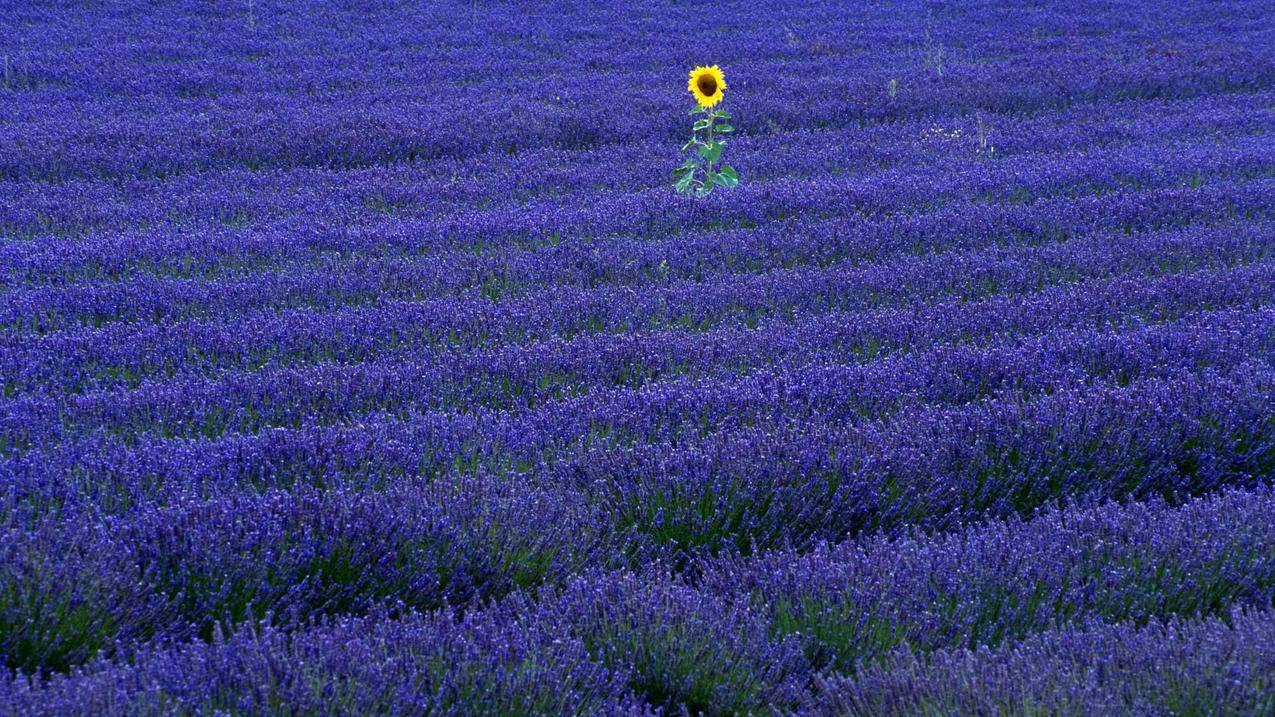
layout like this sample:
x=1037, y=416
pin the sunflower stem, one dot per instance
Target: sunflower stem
x=708, y=165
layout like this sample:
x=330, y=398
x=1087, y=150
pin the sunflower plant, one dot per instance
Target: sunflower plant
x=698, y=174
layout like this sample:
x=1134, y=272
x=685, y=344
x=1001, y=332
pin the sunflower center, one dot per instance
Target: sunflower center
x=707, y=85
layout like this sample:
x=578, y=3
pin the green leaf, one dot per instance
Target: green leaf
x=710, y=152
x=690, y=143
x=705, y=190
x=701, y=124
x=696, y=111
x=722, y=113
x=724, y=180
x=723, y=128
x=684, y=183
x=729, y=171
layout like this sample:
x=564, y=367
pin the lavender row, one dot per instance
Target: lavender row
x=554, y=260
x=814, y=439
x=604, y=646
x=1119, y=168
x=400, y=125
x=801, y=481
x=184, y=34
x=656, y=639
x=122, y=356
x=1216, y=666
x=643, y=212
x=50, y=213
x=506, y=271
x=1001, y=582
x=178, y=572
x=655, y=403
x=443, y=664
x=411, y=123
x=524, y=377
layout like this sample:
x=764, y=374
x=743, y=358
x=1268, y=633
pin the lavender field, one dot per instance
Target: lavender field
x=361, y=358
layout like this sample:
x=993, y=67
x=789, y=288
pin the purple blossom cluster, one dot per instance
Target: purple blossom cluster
x=359, y=358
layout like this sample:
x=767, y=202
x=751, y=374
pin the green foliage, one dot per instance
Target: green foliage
x=697, y=175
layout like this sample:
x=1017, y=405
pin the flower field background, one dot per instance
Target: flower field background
x=359, y=357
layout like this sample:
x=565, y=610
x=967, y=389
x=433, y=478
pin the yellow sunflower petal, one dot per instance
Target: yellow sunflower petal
x=707, y=84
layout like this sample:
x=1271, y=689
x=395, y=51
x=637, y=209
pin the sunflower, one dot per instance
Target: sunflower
x=708, y=84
